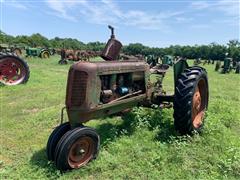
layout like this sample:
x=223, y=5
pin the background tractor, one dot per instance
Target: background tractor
x=76, y=55
x=197, y=61
x=168, y=59
x=38, y=52
x=103, y=88
x=13, y=70
x=17, y=50
x=152, y=60
x=229, y=64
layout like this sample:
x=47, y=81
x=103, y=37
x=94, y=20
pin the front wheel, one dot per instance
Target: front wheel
x=191, y=100
x=76, y=148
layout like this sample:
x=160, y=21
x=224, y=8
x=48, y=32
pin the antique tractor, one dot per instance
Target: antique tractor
x=4, y=48
x=76, y=55
x=38, y=52
x=228, y=65
x=167, y=59
x=197, y=61
x=13, y=70
x=103, y=88
x=152, y=60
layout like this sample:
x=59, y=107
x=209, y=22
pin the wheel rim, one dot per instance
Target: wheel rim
x=45, y=55
x=199, y=104
x=12, y=71
x=81, y=152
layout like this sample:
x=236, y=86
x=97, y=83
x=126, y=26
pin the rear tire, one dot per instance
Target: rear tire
x=64, y=61
x=76, y=148
x=191, y=100
x=54, y=138
x=13, y=69
x=45, y=54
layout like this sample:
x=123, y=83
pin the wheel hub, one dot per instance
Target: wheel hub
x=199, y=104
x=11, y=71
x=81, y=152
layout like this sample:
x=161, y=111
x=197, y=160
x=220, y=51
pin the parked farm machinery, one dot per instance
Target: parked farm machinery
x=152, y=60
x=228, y=65
x=99, y=89
x=17, y=50
x=197, y=61
x=168, y=59
x=76, y=55
x=13, y=70
x=38, y=52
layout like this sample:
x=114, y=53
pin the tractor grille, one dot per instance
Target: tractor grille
x=79, y=86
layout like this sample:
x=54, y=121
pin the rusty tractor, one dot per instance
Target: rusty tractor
x=13, y=70
x=76, y=55
x=103, y=88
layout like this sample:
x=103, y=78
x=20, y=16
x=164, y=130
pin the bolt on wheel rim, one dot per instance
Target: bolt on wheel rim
x=199, y=104
x=81, y=152
x=11, y=71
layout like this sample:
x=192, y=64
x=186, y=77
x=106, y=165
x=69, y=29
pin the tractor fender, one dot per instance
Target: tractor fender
x=178, y=68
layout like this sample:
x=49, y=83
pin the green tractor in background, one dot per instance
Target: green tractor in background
x=168, y=59
x=229, y=64
x=152, y=60
x=38, y=52
x=197, y=61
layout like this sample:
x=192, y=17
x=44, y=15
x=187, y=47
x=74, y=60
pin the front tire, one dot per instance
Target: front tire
x=54, y=138
x=76, y=148
x=191, y=100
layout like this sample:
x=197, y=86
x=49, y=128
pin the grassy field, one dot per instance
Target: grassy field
x=142, y=145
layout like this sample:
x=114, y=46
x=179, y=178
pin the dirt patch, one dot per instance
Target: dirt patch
x=34, y=110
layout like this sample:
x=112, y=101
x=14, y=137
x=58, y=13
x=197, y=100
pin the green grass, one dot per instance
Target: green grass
x=142, y=145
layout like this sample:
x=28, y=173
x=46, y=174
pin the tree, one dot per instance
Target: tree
x=234, y=49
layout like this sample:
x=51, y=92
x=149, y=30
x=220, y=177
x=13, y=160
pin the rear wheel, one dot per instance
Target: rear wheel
x=45, y=54
x=13, y=70
x=191, y=100
x=64, y=61
x=76, y=148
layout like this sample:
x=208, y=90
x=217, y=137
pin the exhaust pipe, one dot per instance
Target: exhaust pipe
x=112, y=48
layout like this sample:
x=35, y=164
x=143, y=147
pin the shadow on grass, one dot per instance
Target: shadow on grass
x=39, y=159
x=109, y=132
x=156, y=120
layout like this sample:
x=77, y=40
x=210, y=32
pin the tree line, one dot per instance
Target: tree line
x=212, y=51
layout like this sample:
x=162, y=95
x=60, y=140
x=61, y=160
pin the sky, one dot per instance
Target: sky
x=156, y=23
